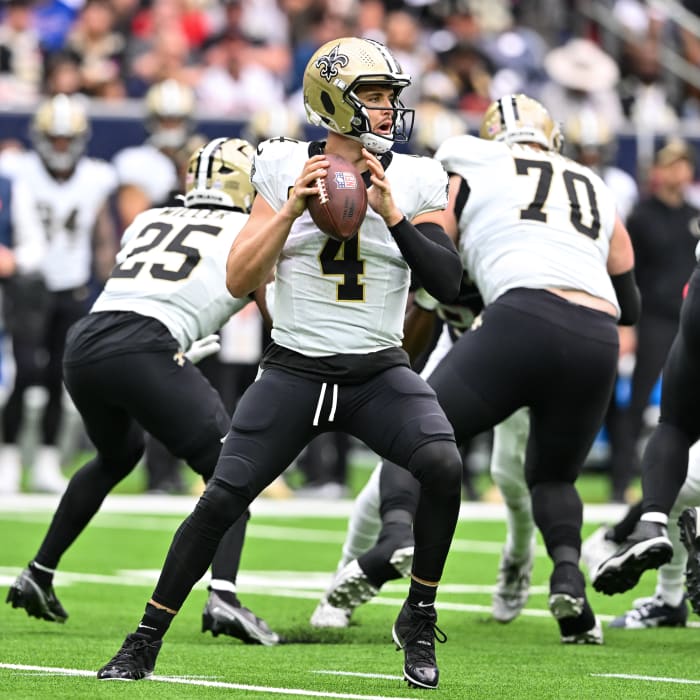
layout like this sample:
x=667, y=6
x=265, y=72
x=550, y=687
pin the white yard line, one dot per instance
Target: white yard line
x=300, y=692
x=653, y=679
x=183, y=505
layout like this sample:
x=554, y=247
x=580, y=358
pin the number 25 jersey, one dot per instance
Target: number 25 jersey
x=172, y=267
x=532, y=219
x=342, y=298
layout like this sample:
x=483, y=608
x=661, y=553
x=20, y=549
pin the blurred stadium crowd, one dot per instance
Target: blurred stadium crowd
x=601, y=67
x=241, y=56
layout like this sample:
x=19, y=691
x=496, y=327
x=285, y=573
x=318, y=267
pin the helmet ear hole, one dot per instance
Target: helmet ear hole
x=327, y=102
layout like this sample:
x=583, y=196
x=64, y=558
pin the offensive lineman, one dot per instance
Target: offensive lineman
x=129, y=366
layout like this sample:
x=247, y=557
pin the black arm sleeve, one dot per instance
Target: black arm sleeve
x=432, y=257
x=628, y=297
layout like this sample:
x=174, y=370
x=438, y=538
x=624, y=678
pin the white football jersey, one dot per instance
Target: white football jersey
x=148, y=169
x=68, y=210
x=533, y=219
x=342, y=298
x=172, y=267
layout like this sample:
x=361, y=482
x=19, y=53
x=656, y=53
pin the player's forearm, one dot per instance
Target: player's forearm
x=254, y=254
x=432, y=257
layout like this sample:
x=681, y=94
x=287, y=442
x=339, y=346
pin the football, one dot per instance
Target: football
x=341, y=203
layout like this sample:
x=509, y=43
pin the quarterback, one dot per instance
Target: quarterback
x=336, y=361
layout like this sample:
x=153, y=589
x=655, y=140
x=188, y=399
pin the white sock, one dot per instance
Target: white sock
x=220, y=584
x=659, y=518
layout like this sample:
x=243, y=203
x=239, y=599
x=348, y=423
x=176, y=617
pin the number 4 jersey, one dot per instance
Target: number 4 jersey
x=531, y=219
x=172, y=267
x=343, y=298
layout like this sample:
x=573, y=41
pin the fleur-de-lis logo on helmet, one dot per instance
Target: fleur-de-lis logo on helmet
x=329, y=64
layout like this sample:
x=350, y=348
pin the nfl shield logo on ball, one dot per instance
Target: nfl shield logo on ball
x=345, y=181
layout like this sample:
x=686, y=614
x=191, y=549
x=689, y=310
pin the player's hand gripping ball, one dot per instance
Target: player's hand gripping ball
x=341, y=203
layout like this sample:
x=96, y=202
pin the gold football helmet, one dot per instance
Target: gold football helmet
x=271, y=122
x=589, y=138
x=520, y=119
x=435, y=124
x=333, y=74
x=218, y=175
x=170, y=107
x=60, y=131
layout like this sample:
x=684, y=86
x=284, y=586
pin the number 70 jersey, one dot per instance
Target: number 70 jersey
x=172, y=267
x=532, y=218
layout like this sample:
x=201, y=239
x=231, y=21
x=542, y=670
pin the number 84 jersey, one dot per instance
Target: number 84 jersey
x=172, y=267
x=532, y=219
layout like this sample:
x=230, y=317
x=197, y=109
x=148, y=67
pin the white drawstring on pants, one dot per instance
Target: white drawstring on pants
x=319, y=405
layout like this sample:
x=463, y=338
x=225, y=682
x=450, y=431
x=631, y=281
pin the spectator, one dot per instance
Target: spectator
x=233, y=83
x=582, y=75
x=62, y=74
x=20, y=53
x=664, y=228
x=100, y=48
x=405, y=39
x=163, y=55
x=53, y=20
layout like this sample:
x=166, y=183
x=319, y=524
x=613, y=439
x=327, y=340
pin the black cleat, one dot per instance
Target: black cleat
x=652, y=612
x=688, y=524
x=648, y=547
x=37, y=601
x=415, y=632
x=569, y=607
x=134, y=661
x=229, y=617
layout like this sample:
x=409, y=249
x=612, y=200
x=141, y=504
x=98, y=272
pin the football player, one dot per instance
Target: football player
x=540, y=237
x=336, y=361
x=129, y=367
x=71, y=192
x=149, y=174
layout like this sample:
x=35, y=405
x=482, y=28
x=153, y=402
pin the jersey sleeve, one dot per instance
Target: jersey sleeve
x=461, y=155
x=273, y=169
x=432, y=187
x=156, y=176
x=108, y=179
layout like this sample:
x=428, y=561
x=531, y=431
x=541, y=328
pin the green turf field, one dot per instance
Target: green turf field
x=106, y=578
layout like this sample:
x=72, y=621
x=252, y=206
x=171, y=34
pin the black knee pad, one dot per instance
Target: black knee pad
x=219, y=506
x=438, y=466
